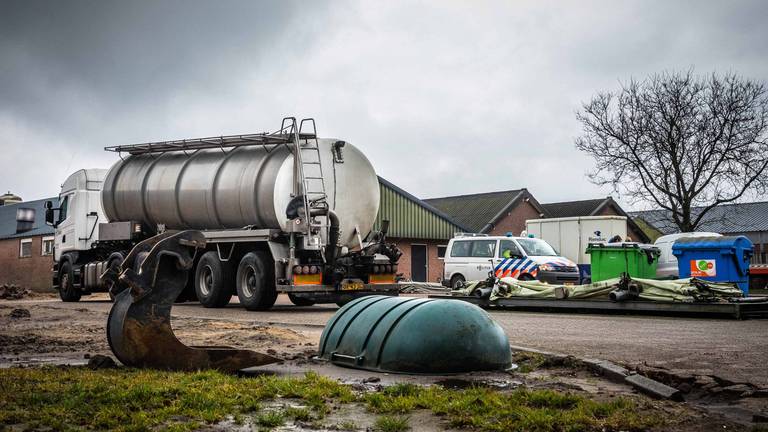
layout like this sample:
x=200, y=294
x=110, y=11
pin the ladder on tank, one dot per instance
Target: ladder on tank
x=313, y=180
x=309, y=166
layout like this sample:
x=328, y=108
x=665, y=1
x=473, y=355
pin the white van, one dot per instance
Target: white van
x=667, y=267
x=471, y=257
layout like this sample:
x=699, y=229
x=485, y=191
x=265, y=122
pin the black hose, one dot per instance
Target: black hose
x=331, y=249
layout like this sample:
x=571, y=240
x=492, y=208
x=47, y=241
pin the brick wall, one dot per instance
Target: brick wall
x=514, y=221
x=434, y=264
x=32, y=272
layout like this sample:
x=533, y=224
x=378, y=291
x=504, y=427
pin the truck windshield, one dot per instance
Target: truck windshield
x=536, y=247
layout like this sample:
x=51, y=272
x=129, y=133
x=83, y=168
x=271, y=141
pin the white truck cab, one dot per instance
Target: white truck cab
x=79, y=213
x=471, y=257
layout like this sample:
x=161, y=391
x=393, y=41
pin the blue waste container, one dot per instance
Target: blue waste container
x=718, y=259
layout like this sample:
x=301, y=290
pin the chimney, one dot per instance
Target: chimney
x=9, y=198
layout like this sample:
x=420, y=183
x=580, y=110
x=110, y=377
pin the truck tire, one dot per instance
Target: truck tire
x=457, y=281
x=67, y=290
x=300, y=301
x=255, y=282
x=213, y=281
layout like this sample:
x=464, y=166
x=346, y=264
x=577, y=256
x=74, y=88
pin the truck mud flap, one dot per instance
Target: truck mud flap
x=139, y=324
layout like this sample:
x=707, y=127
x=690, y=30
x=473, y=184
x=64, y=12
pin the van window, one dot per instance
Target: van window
x=460, y=248
x=536, y=247
x=483, y=248
x=508, y=245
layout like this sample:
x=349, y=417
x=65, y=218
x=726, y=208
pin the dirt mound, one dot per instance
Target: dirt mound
x=20, y=313
x=13, y=292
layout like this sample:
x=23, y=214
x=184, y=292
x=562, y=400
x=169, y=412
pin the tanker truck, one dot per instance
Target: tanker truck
x=282, y=212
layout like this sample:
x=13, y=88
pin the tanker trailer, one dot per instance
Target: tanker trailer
x=280, y=212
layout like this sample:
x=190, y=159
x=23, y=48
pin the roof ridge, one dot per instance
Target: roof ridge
x=577, y=201
x=701, y=207
x=476, y=194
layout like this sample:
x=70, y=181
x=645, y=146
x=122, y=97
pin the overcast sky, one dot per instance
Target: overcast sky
x=445, y=98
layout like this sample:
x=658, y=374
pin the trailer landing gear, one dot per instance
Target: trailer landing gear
x=139, y=324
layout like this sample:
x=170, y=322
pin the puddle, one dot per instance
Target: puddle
x=459, y=384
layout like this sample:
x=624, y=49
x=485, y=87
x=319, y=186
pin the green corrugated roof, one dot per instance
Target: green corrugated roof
x=410, y=217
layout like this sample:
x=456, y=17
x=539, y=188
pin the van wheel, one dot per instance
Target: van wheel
x=256, y=282
x=526, y=277
x=457, y=281
x=213, y=281
x=67, y=290
x=300, y=301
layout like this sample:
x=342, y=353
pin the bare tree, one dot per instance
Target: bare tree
x=681, y=142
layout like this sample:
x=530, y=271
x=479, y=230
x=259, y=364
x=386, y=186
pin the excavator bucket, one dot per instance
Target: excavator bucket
x=139, y=325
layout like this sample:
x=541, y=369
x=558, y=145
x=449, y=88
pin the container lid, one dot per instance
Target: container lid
x=410, y=335
x=724, y=242
x=623, y=245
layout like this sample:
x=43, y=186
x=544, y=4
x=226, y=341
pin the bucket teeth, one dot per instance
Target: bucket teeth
x=139, y=325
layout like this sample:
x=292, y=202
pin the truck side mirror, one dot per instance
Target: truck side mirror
x=49, y=214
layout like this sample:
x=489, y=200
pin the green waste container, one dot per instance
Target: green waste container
x=610, y=260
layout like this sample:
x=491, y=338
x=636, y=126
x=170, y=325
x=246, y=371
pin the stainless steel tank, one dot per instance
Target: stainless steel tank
x=234, y=188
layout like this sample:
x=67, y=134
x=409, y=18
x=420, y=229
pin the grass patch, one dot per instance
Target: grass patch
x=528, y=361
x=139, y=400
x=270, y=419
x=136, y=400
x=347, y=425
x=391, y=424
x=518, y=410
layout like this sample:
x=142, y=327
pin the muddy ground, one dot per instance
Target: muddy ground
x=50, y=335
x=34, y=333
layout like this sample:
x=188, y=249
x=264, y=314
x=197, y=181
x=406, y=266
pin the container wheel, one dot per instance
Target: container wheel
x=213, y=281
x=67, y=290
x=300, y=301
x=255, y=281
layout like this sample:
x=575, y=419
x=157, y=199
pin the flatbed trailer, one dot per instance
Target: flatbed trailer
x=735, y=310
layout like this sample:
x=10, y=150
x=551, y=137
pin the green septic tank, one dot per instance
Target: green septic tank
x=415, y=335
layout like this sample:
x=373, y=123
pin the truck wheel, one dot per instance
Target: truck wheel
x=67, y=290
x=255, y=282
x=213, y=281
x=300, y=301
x=457, y=281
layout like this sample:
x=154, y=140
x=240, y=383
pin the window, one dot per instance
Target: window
x=441, y=251
x=47, y=246
x=461, y=248
x=510, y=247
x=63, y=209
x=536, y=247
x=25, y=248
x=483, y=248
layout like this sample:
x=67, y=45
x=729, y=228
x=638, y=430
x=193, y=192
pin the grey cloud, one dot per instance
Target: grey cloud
x=444, y=97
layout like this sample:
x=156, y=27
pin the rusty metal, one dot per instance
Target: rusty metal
x=139, y=325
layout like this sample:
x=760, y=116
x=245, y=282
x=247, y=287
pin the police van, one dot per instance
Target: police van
x=470, y=257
